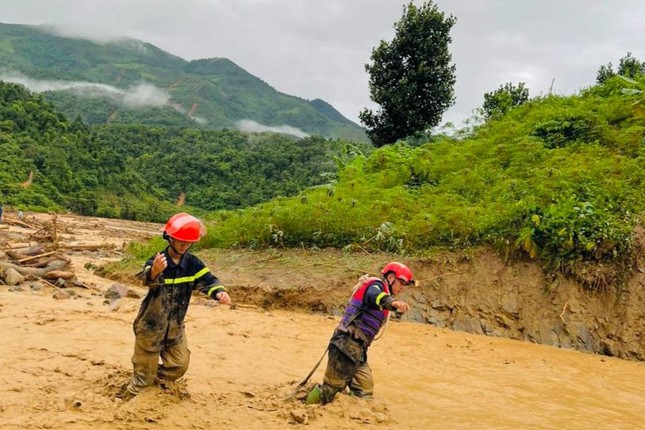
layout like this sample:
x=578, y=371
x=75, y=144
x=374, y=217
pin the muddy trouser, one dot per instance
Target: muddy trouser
x=146, y=365
x=346, y=366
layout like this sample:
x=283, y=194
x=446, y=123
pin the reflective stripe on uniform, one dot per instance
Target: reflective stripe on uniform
x=378, y=299
x=215, y=288
x=187, y=278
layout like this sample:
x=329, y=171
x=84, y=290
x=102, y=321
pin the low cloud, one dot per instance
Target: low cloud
x=135, y=97
x=86, y=30
x=255, y=127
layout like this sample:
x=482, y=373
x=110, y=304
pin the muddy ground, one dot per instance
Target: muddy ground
x=487, y=345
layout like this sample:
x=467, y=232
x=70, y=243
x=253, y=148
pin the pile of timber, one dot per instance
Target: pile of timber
x=35, y=262
x=46, y=261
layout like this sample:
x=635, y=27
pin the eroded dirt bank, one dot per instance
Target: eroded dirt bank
x=477, y=293
x=64, y=360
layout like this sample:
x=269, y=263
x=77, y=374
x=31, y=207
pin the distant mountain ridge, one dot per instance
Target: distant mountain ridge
x=130, y=81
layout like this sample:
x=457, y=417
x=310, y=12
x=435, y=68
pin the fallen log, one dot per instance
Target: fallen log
x=48, y=261
x=40, y=272
x=14, y=245
x=59, y=274
x=19, y=253
x=105, y=246
x=24, y=270
x=33, y=257
x=12, y=221
x=41, y=237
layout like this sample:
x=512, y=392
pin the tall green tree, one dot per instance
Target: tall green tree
x=504, y=98
x=411, y=77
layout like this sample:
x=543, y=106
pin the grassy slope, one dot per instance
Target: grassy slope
x=560, y=177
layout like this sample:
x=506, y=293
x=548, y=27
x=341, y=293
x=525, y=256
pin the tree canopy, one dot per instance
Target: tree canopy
x=411, y=77
x=504, y=98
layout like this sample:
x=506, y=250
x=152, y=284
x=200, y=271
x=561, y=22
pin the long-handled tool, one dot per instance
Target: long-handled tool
x=304, y=381
x=360, y=282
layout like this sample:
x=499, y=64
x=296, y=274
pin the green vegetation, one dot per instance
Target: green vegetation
x=139, y=172
x=628, y=66
x=503, y=99
x=411, y=77
x=560, y=178
x=152, y=87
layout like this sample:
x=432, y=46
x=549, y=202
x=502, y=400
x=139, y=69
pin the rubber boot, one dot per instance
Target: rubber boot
x=314, y=396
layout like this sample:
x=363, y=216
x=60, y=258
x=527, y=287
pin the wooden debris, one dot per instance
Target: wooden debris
x=88, y=247
x=40, y=237
x=24, y=270
x=54, y=231
x=45, y=257
x=13, y=221
x=240, y=305
x=59, y=274
x=19, y=253
x=7, y=245
x=33, y=257
x=51, y=261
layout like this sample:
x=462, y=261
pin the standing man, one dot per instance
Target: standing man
x=364, y=316
x=171, y=276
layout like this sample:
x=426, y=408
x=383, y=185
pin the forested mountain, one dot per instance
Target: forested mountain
x=133, y=82
x=141, y=172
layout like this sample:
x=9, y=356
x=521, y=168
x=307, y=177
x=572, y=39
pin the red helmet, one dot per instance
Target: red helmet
x=184, y=227
x=401, y=271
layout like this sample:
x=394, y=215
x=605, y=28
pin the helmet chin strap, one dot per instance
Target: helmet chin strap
x=170, y=243
x=389, y=283
x=174, y=249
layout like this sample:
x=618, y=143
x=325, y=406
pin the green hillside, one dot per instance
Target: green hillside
x=560, y=178
x=210, y=93
x=140, y=172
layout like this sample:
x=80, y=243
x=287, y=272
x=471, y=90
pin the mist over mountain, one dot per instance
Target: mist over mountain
x=128, y=81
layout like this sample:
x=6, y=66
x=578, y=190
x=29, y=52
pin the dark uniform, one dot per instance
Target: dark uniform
x=159, y=326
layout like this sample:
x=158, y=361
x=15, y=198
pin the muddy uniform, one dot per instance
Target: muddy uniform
x=347, y=364
x=159, y=326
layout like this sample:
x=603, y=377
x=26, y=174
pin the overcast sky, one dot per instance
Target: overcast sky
x=318, y=48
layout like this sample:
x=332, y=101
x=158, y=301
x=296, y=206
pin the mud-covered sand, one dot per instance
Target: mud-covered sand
x=64, y=361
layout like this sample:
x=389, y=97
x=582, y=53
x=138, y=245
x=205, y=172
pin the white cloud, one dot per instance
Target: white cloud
x=252, y=126
x=135, y=97
x=318, y=48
